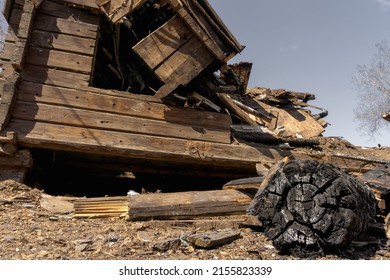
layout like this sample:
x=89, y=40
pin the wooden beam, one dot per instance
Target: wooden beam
x=259, y=134
x=185, y=205
x=59, y=60
x=55, y=77
x=235, y=109
x=124, y=104
x=178, y=151
x=62, y=42
x=201, y=101
x=64, y=26
x=114, y=122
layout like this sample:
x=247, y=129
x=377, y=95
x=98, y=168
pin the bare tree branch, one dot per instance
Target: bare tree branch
x=373, y=84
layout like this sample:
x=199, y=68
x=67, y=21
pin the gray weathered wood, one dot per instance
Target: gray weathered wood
x=213, y=239
x=185, y=205
x=115, y=122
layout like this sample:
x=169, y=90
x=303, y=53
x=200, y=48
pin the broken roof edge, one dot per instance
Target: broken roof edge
x=219, y=21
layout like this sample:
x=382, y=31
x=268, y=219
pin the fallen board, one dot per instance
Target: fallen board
x=165, y=206
x=213, y=239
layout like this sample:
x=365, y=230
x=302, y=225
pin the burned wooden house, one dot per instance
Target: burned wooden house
x=140, y=86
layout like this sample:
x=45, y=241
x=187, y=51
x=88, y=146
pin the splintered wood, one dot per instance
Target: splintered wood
x=103, y=207
x=287, y=112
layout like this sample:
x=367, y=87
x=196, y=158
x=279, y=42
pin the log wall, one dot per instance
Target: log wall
x=56, y=108
x=54, y=91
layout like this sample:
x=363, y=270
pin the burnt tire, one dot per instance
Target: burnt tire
x=310, y=208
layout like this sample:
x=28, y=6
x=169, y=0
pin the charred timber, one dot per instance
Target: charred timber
x=309, y=209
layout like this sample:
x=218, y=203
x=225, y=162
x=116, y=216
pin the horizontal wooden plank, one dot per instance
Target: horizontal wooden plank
x=59, y=60
x=67, y=12
x=126, y=105
x=152, y=148
x=111, y=122
x=163, y=42
x=64, y=26
x=185, y=64
x=61, y=42
x=55, y=77
x=65, y=79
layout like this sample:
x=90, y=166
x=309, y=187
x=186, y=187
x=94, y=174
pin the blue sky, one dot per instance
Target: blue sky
x=311, y=46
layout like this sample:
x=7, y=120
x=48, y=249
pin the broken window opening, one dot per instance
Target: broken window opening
x=116, y=65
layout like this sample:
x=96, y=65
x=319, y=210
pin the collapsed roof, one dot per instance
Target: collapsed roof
x=184, y=48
